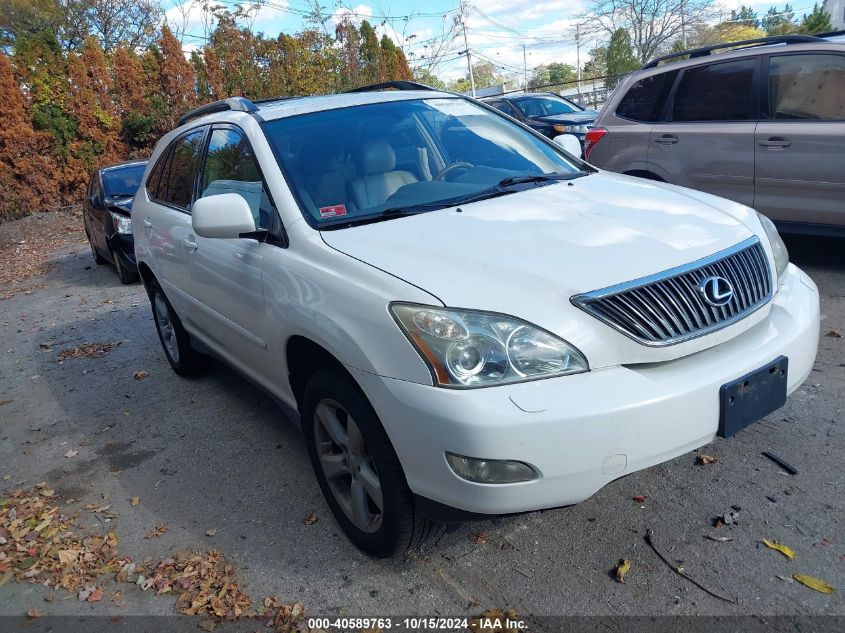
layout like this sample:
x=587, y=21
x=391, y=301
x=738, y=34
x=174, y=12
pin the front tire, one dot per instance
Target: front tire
x=98, y=259
x=175, y=341
x=126, y=276
x=357, y=468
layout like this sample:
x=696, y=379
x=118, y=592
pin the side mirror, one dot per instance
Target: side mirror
x=223, y=216
x=570, y=143
x=95, y=201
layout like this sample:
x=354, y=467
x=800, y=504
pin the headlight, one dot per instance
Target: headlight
x=778, y=247
x=467, y=348
x=121, y=223
x=558, y=127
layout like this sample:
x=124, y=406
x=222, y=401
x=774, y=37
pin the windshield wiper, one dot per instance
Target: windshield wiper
x=122, y=195
x=538, y=178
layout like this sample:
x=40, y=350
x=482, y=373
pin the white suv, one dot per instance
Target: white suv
x=469, y=320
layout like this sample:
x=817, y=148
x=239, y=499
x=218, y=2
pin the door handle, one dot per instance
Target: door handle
x=776, y=142
x=147, y=224
x=666, y=139
x=190, y=245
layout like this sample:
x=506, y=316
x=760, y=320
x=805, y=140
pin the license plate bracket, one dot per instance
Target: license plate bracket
x=753, y=396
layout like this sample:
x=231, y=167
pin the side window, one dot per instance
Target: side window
x=716, y=92
x=177, y=180
x=230, y=167
x=645, y=99
x=155, y=174
x=807, y=87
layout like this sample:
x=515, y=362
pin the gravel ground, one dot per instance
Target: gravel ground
x=215, y=453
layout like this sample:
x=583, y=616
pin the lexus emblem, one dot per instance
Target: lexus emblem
x=717, y=291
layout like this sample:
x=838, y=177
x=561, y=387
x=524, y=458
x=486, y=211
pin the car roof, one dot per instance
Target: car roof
x=125, y=163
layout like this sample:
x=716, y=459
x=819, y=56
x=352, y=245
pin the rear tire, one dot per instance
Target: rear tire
x=98, y=259
x=175, y=341
x=355, y=465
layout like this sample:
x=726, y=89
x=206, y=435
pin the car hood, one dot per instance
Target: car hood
x=527, y=253
x=122, y=205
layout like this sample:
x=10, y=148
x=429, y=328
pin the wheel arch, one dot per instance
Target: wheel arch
x=146, y=273
x=303, y=358
x=645, y=174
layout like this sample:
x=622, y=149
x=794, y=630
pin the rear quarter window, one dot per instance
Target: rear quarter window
x=172, y=179
x=645, y=99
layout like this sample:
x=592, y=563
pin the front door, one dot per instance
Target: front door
x=800, y=146
x=708, y=141
x=226, y=273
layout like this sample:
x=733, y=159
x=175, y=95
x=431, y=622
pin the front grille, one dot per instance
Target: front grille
x=671, y=307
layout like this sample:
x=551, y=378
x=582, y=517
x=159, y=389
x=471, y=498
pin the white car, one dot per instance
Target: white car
x=470, y=320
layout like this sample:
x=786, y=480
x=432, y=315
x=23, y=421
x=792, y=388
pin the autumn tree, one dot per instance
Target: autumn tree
x=370, y=54
x=176, y=81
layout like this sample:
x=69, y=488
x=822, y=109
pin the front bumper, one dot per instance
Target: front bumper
x=585, y=430
x=123, y=246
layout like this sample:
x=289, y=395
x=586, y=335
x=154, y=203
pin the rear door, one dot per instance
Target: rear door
x=707, y=141
x=226, y=274
x=168, y=221
x=800, y=144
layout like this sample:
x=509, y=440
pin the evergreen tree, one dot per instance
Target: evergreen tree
x=619, y=58
x=816, y=22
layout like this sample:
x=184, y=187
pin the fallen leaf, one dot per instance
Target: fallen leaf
x=5, y=402
x=135, y=501
x=833, y=334
x=96, y=595
x=49, y=597
x=783, y=549
x=703, y=460
x=816, y=584
x=140, y=375
x=640, y=498
x=68, y=556
x=117, y=596
x=213, y=531
x=46, y=492
x=310, y=519
x=207, y=625
x=718, y=539
x=71, y=453
x=160, y=530
x=34, y=613
x=622, y=568
x=479, y=538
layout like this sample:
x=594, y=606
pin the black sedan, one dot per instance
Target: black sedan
x=547, y=113
x=107, y=216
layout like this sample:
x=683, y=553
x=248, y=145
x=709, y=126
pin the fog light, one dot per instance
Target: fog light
x=490, y=471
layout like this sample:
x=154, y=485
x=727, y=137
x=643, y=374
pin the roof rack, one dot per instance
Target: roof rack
x=761, y=41
x=400, y=84
x=237, y=104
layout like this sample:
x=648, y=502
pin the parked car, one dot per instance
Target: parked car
x=107, y=215
x=470, y=321
x=547, y=113
x=763, y=125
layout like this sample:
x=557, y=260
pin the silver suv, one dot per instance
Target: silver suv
x=763, y=125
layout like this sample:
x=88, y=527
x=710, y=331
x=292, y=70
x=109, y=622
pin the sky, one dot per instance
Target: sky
x=513, y=34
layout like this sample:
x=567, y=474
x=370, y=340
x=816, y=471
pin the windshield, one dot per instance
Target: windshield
x=369, y=161
x=123, y=181
x=546, y=106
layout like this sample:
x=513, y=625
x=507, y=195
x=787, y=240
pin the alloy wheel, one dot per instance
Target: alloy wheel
x=348, y=467
x=164, y=323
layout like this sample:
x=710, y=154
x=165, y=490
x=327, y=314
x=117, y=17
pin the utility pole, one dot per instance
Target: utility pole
x=524, y=69
x=683, y=27
x=578, y=59
x=466, y=45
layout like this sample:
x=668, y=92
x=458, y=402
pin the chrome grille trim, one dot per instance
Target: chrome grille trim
x=667, y=308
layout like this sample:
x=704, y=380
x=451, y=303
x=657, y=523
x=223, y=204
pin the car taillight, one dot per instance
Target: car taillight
x=592, y=137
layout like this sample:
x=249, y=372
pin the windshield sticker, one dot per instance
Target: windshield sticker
x=333, y=211
x=453, y=107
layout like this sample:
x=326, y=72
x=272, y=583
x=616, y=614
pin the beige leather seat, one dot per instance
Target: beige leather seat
x=378, y=180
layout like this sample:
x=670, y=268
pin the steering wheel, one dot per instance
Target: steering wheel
x=459, y=165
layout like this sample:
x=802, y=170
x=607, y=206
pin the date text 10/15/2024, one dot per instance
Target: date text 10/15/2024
x=487, y=622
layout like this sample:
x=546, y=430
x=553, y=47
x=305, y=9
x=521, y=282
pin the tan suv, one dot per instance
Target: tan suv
x=763, y=124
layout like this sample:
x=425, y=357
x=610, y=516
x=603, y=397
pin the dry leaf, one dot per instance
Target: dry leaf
x=640, y=498
x=96, y=595
x=703, y=460
x=833, y=334
x=213, y=531
x=140, y=375
x=68, y=556
x=71, y=453
x=34, y=613
x=160, y=530
x=135, y=501
x=479, y=538
x=718, y=539
x=46, y=492
x=816, y=584
x=622, y=568
x=310, y=519
x=783, y=549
